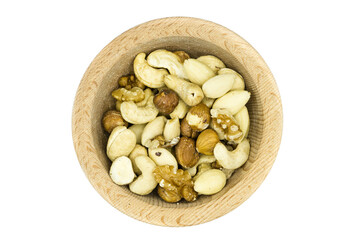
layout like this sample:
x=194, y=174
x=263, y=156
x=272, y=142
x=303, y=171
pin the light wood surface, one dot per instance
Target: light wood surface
x=197, y=37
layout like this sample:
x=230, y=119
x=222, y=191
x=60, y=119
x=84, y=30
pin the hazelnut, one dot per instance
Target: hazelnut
x=166, y=101
x=186, y=130
x=206, y=142
x=186, y=153
x=112, y=119
x=198, y=117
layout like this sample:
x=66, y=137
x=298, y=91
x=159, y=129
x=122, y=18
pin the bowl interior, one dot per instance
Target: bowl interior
x=195, y=47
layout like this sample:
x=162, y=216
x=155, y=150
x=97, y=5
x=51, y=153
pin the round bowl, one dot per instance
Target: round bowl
x=196, y=37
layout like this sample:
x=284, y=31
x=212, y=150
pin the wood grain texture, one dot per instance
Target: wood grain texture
x=197, y=37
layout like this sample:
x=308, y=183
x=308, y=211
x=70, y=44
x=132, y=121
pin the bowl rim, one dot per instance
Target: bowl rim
x=205, y=30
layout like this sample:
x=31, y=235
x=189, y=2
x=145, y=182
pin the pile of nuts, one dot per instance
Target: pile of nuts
x=180, y=126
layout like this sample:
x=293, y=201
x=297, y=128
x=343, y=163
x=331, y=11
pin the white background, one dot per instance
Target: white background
x=313, y=50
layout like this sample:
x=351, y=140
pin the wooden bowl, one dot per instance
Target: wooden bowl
x=197, y=37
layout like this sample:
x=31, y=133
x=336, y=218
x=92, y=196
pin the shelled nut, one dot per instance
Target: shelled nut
x=206, y=142
x=186, y=130
x=166, y=101
x=186, y=153
x=198, y=117
x=112, y=119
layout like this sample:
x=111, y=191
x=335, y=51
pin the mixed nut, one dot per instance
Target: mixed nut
x=180, y=126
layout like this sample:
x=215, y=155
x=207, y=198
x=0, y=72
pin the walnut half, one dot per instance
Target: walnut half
x=130, y=81
x=225, y=125
x=135, y=94
x=174, y=184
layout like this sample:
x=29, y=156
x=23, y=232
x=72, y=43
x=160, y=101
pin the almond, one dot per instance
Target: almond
x=206, y=142
x=186, y=153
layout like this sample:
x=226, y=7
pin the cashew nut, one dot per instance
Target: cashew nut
x=153, y=129
x=138, y=115
x=137, y=151
x=189, y=92
x=212, y=62
x=120, y=143
x=239, y=83
x=180, y=110
x=197, y=71
x=148, y=93
x=217, y=86
x=232, y=101
x=232, y=159
x=242, y=118
x=145, y=183
x=121, y=171
x=138, y=130
x=210, y=182
x=146, y=74
x=203, y=159
x=165, y=59
x=172, y=129
x=161, y=156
